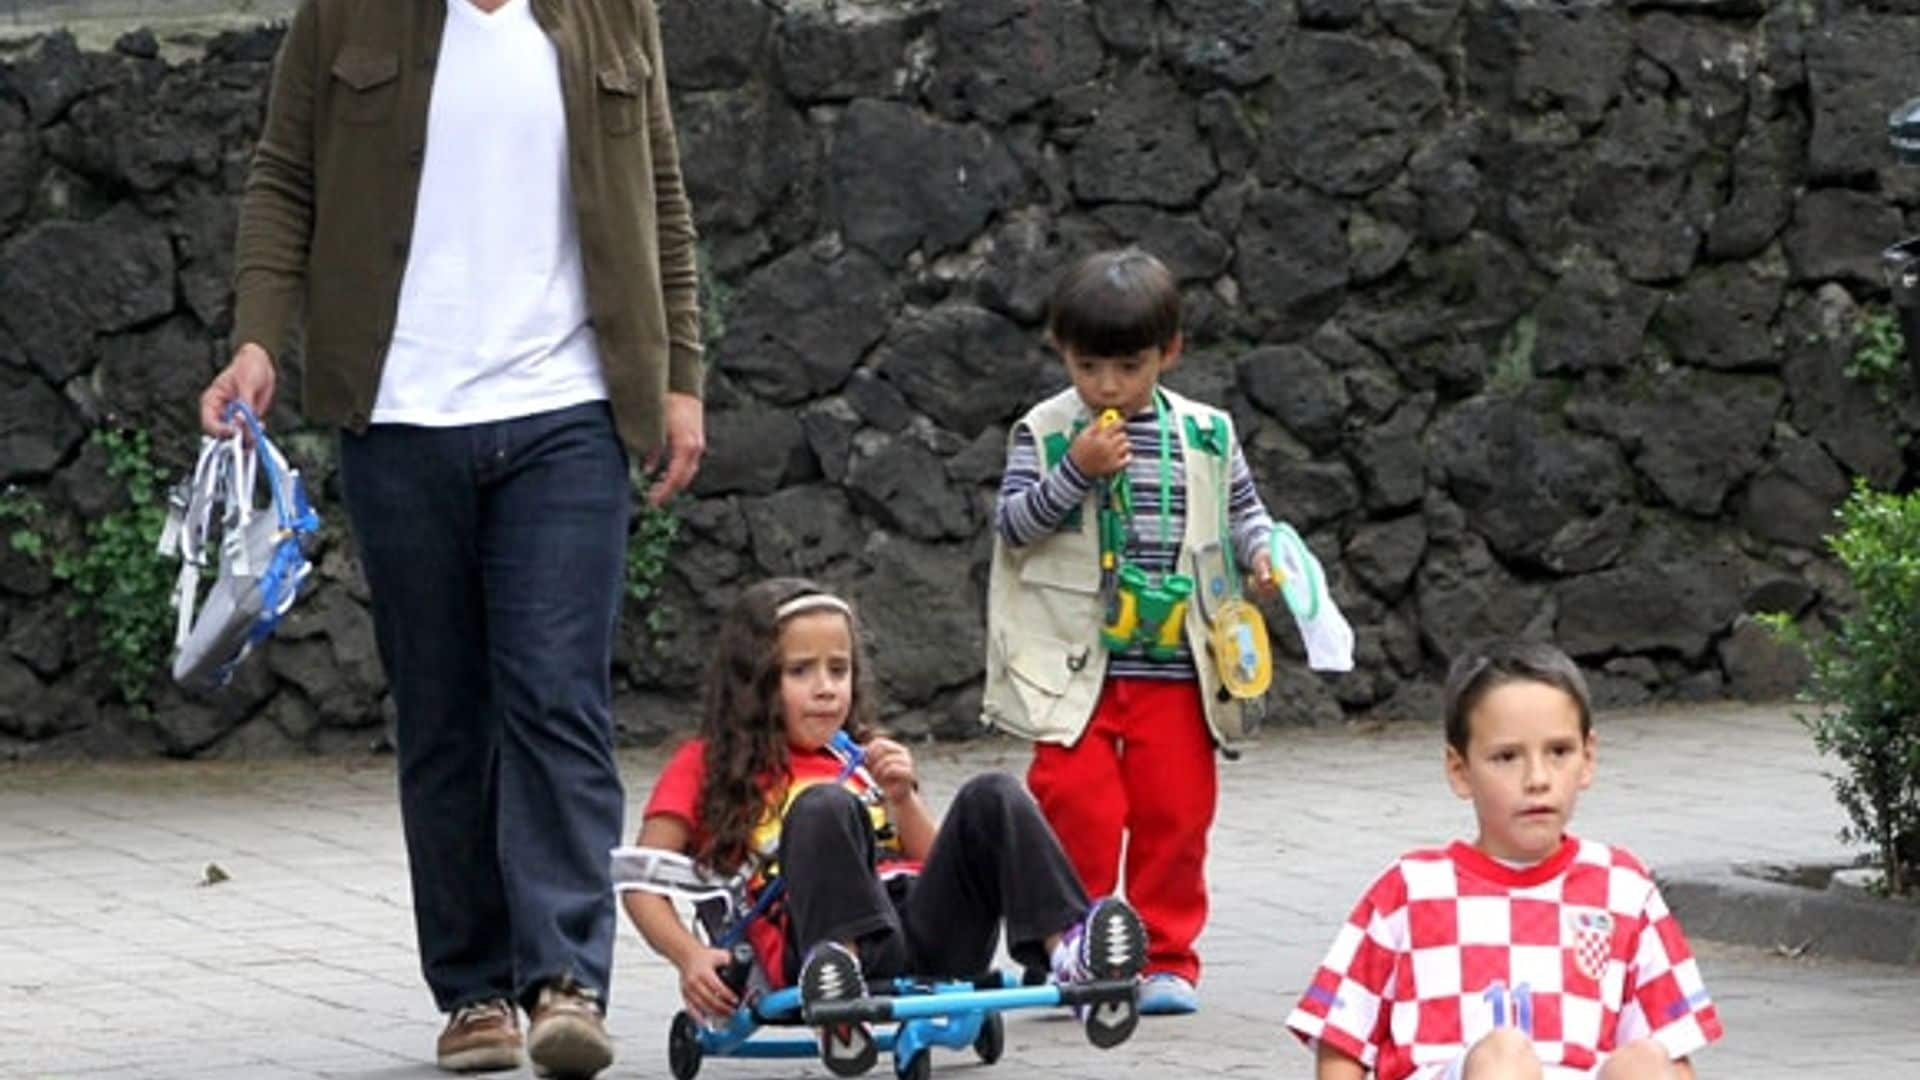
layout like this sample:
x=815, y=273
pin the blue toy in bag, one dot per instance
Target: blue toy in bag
x=263, y=551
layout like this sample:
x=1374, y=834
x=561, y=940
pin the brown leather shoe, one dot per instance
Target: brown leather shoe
x=481, y=1037
x=567, y=1037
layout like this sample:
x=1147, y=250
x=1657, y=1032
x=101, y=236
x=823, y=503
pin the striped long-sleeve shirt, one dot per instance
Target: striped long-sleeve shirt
x=1035, y=501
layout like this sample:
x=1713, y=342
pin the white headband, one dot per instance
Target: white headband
x=811, y=602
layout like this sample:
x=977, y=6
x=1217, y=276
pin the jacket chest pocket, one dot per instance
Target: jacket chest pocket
x=366, y=85
x=621, y=87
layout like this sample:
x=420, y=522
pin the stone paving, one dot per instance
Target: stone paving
x=117, y=961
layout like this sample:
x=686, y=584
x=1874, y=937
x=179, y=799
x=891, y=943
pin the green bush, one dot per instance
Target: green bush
x=1866, y=680
x=118, y=578
x=21, y=517
x=716, y=299
x=648, y=547
x=1879, y=354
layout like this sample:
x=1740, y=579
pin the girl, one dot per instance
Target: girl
x=873, y=885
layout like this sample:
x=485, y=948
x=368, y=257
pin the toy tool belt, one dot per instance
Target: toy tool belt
x=263, y=552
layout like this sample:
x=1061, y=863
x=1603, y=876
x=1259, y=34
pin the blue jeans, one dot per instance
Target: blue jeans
x=495, y=553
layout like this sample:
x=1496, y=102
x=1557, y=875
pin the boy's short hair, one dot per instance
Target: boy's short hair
x=1115, y=303
x=1479, y=672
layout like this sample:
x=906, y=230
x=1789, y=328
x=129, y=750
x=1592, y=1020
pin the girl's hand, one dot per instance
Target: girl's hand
x=1101, y=449
x=891, y=766
x=1263, y=582
x=708, y=997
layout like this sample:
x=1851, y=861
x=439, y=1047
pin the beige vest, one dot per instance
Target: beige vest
x=1045, y=663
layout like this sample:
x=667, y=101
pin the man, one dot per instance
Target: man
x=480, y=204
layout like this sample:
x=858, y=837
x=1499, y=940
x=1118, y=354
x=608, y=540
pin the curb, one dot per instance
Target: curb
x=1717, y=902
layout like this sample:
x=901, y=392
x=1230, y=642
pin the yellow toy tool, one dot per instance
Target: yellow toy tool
x=1109, y=553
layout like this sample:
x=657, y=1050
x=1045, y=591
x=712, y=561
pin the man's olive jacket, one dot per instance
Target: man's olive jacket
x=329, y=204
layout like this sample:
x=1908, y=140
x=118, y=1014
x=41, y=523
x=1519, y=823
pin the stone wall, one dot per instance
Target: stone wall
x=1533, y=318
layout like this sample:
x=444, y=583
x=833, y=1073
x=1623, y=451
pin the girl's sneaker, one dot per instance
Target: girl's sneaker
x=1166, y=994
x=1108, y=943
x=831, y=972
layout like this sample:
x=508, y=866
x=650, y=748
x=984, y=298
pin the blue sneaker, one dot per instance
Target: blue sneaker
x=1165, y=994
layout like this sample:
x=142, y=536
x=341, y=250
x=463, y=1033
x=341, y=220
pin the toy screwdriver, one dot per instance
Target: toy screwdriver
x=1109, y=520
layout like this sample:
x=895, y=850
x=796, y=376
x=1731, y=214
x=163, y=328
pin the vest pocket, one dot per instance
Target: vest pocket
x=1041, y=671
x=622, y=85
x=367, y=85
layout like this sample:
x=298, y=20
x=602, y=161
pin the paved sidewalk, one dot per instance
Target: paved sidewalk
x=115, y=961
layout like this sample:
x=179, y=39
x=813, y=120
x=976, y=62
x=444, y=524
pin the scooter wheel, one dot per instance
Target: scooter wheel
x=917, y=1067
x=992, y=1040
x=683, y=1047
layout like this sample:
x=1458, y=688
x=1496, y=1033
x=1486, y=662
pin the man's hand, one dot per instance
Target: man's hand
x=1101, y=449
x=686, y=441
x=248, y=379
x=891, y=765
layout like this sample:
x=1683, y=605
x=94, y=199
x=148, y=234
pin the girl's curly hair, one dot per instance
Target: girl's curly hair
x=746, y=741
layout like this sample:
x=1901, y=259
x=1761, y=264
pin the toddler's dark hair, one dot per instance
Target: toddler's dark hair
x=1115, y=303
x=1480, y=672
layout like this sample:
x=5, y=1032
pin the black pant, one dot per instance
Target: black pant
x=994, y=859
x=495, y=553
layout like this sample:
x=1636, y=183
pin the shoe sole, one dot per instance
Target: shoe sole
x=846, y=1049
x=1117, y=932
x=1121, y=939
x=1164, y=1007
x=481, y=1059
x=569, y=1049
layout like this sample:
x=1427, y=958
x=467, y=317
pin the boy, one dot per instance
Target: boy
x=1528, y=953
x=1118, y=496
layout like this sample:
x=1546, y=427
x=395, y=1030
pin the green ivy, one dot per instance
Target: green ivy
x=118, y=579
x=1866, y=679
x=648, y=547
x=1513, y=367
x=716, y=298
x=22, y=515
x=1879, y=354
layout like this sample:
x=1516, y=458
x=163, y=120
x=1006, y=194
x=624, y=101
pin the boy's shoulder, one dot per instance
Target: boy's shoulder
x=1406, y=877
x=1058, y=409
x=1613, y=857
x=1181, y=403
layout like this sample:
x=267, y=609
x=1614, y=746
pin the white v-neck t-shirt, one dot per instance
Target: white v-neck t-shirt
x=493, y=321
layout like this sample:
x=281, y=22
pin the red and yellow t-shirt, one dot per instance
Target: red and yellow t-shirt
x=676, y=792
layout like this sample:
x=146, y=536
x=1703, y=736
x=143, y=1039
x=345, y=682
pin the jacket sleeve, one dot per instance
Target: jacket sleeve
x=673, y=216
x=276, y=208
x=1250, y=523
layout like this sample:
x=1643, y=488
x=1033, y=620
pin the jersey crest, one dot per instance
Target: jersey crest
x=1590, y=939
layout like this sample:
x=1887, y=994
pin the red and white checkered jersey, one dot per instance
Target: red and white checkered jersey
x=1579, y=951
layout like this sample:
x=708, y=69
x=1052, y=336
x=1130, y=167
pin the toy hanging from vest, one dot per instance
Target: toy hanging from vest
x=1142, y=610
x=263, y=551
x=1149, y=611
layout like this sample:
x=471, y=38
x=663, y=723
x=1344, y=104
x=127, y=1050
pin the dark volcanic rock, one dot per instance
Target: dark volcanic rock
x=1345, y=111
x=999, y=58
x=1521, y=476
x=800, y=325
x=63, y=282
x=900, y=181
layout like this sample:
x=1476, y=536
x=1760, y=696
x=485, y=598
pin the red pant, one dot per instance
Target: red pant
x=1144, y=768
